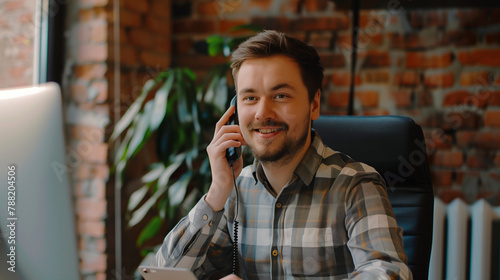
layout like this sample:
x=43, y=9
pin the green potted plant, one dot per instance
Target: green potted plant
x=181, y=112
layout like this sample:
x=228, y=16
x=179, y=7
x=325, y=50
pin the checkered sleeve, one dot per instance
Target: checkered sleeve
x=375, y=240
x=199, y=242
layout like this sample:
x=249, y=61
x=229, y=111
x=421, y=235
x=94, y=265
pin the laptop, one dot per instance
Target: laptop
x=166, y=273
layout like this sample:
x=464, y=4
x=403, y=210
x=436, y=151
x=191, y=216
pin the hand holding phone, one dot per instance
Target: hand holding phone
x=232, y=153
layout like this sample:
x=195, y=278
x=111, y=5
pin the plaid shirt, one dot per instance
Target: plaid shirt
x=333, y=220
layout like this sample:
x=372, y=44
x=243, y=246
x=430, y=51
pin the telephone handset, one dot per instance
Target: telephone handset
x=232, y=153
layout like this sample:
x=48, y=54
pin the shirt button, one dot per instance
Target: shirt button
x=275, y=253
x=278, y=204
x=205, y=217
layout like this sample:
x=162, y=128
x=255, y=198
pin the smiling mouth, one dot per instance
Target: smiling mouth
x=268, y=130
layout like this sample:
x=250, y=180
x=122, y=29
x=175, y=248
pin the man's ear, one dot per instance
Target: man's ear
x=315, y=106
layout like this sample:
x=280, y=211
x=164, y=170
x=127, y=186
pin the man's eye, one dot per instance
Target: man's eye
x=281, y=96
x=250, y=98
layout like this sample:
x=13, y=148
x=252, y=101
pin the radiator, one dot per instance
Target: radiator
x=465, y=241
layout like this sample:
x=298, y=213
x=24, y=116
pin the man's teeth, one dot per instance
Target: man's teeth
x=269, y=130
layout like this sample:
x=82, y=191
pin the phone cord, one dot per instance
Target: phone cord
x=235, y=229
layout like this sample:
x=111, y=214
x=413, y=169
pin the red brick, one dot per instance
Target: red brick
x=428, y=60
x=496, y=160
x=439, y=79
x=128, y=56
x=474, y=78
x=459, y=38
x=329, y=60
x=489, y=139
x=365, y=40
x=448, y=195
x=478, y=160
x=130, y=19
x=210, y=8
x=94, y=14
x=448, y=158
x=181, y=45
x=375, y=58
x=412, y=40
x=438, y=138
x=92, y=261
x=261, y=5
x=483, y=57
x=494, y=98
x=407, y=78
x=227, y=25
x=137, y=6
x=375, y=112
x=274, y=23
x=158, y=25
x=194, y=26
x=91, y=208
x=315, y=5
x=473, y=18
x=88, y=133
x=338, y=99
x=343, y=78
x=91, y=228
x=442, y=178
x=492, y=118
x=162, y=45
x=416, y=19
x=86, y=171
x=435, y=18
x=367, y=98
x=457, y=97
x=402, y=98
x=155, y=59
x=330, y=22
x=375, y=77
x=92, y=53
x=492, y=38
x=90, y=71
x=466, y=138
x=161, y=9
x=14, y=5
x=141, y=38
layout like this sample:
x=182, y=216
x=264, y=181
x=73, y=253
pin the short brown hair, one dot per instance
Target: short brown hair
x=269, y=43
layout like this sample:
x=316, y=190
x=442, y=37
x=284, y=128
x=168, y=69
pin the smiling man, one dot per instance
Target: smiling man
x=305, y=211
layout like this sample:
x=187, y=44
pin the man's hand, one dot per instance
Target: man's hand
x=225, y=136
x=231, y=277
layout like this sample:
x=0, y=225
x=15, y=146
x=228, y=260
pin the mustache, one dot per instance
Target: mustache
x=254, y=125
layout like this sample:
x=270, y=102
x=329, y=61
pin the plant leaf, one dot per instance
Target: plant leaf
x=132, y=111
x=155, y=172
x=141, y=130
x=136, y=197
x=150, y=230
x=160, y=103
x=165, y=177
x=177, y=191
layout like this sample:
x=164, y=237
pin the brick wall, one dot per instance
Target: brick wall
x=87, y=110
x=17, y=39
x=440, y=67
x=143, y=40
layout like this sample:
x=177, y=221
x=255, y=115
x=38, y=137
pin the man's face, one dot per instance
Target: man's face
x=274, y=109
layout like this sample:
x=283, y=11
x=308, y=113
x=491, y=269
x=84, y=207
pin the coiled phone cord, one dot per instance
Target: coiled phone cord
x=235, y=228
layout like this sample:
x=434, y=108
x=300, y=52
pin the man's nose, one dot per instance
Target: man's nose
x=265, y=110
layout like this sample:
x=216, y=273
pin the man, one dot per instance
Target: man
x=304, y=210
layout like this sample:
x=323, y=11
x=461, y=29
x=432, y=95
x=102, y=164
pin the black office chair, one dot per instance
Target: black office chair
x=395, y=147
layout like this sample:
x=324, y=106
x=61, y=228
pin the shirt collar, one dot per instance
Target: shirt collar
x=306, y=170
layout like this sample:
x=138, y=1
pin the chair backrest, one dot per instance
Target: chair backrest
x=395, y=147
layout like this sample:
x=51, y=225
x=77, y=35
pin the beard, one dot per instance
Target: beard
x=287, y=149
